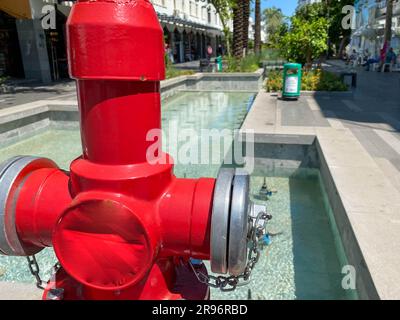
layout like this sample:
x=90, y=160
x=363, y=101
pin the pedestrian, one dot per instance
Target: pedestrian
x=220, y=51
x=168, y=52
x=209, y=51
x=383, y=55
x=352, y=59
x=370, y=61
x=391, y=57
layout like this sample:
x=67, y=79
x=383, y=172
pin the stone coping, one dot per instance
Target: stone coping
x=213, y=75
x=41, y=106
x=365, y=203
x=19, y=291
x=33, y=108
x=348, y=93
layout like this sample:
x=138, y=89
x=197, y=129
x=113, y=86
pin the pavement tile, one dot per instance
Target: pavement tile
x=374, y=143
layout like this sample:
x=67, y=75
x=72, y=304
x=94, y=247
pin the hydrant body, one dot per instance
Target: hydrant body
x=121, y=224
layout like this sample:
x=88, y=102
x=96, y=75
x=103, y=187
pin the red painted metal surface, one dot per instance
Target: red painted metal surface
x=42, y=198
x=121, y=227
x=115, y=39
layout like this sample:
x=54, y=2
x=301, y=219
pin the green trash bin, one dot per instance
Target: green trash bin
x=291, y=80
x=218, y=61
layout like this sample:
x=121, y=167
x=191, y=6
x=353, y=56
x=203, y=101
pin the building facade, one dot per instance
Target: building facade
x=31, y=51
x=27, y=49
x=369, y=26
x=189, y=27
x=252, y=30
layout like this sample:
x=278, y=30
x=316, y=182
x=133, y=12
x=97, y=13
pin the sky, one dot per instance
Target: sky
x=288, y=6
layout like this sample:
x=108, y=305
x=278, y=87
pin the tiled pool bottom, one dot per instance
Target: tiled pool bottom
x=305, y=259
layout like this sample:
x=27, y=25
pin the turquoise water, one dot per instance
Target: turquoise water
x=303, y=262
x=305, y=259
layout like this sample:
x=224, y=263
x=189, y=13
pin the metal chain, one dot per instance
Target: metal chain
x=231, y=282
x=222, y=282
x=34, y=269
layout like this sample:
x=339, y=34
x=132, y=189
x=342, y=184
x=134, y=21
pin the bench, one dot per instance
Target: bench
x=205, y=64
x=351, y=74
x=396, y=68
x=393, y=67
x=387, y=65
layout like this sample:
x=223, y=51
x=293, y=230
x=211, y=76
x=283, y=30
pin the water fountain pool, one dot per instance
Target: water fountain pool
x=305, y=259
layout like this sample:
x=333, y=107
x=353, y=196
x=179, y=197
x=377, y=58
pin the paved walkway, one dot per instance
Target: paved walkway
x=22, y=92
x=191, y=65
x=27, y=93
x=359, y=138
x=19, y=291
x=372, y=115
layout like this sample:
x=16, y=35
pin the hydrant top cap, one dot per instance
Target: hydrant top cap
x=119, y=40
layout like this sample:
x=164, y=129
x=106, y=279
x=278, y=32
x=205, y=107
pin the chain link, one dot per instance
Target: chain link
x=224, y=283
x=34, y=269
x=230, y=283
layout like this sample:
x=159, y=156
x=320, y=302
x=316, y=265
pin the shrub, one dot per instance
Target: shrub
x=232, y=64
x=274, y=81
x=250, y=63
x=314, y=80
x=306, y=40
x=172, y=72
x=270, y=54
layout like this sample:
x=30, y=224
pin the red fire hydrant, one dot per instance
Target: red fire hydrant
x=121, y=227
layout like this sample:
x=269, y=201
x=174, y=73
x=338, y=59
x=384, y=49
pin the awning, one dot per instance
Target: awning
x=164, y=18
x=20, y=9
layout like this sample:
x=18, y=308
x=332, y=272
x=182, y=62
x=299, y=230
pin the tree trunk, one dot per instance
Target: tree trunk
x=388, y=24
x=246, y=16
x=342, y=46
x=308, y=64
x=238, y=29
x=257, y=31
x=227, y=39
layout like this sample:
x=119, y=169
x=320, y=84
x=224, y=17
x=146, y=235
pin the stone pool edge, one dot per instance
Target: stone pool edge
x=21, y=121
x=364, y=202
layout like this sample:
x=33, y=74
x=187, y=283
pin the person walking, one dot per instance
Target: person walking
x=391, y=57
x=209, y=51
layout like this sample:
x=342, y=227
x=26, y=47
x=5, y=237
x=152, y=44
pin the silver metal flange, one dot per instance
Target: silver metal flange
x=3, y=196
x=11, y=181
x=239, y=224
x=220, y=221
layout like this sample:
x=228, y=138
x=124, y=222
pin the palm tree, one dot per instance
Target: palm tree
x=238, y=29
x=246, y=17
x=388, y=23
x=274, y=19
x=257, y=31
